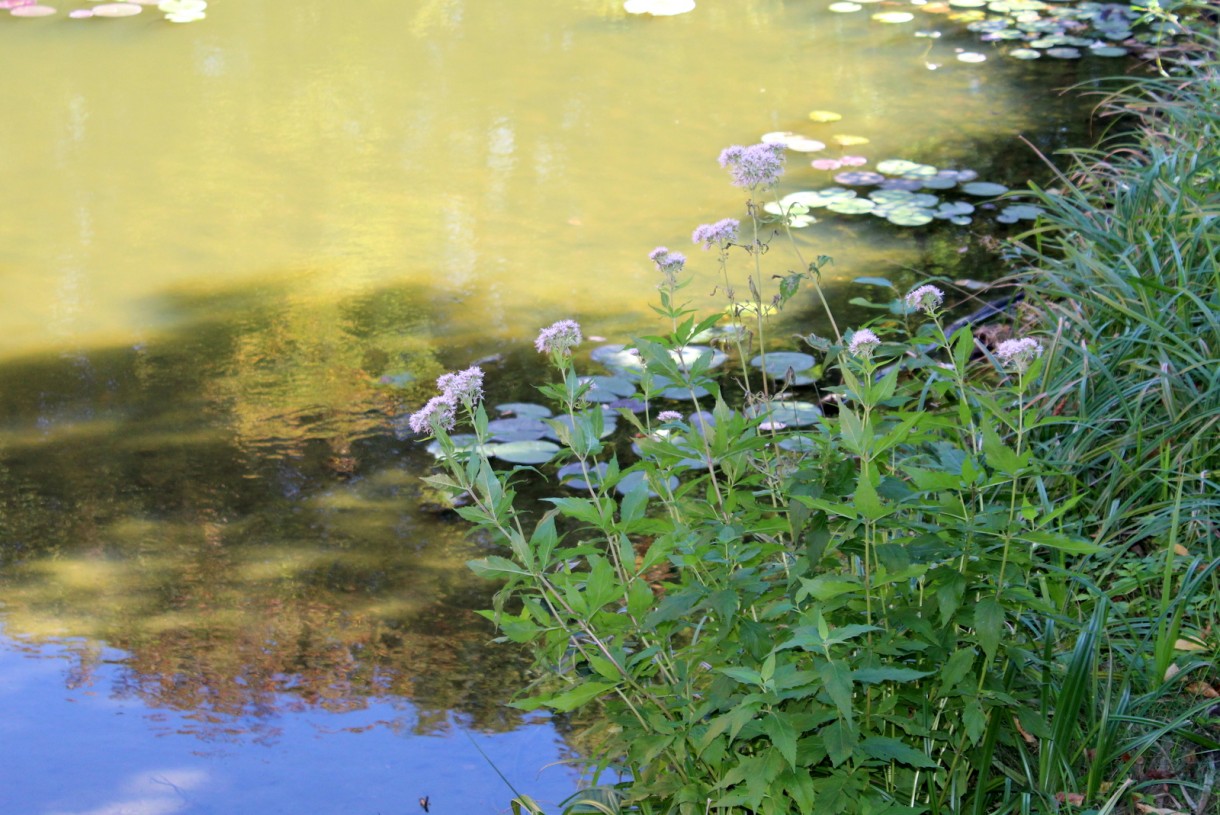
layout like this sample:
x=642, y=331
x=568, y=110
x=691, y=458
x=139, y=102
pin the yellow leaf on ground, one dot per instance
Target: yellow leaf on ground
x=1189, y=644
x=1203, y=689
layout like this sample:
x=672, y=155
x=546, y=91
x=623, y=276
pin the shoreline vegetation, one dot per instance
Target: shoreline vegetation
x=980, y=576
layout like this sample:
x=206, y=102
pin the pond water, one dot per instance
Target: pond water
x=225, y=249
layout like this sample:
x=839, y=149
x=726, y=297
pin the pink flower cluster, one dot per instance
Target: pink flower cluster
x=464, y=387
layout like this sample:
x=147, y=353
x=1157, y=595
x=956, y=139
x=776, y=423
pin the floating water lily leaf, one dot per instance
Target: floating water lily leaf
x=1108, y=51
x=940, y=181
x=800, y=221
x=891, y=196
x=818, y=198
x=902, y=167
x=637, y=479
x=859, y=178
x=894, y=17
x=824, y=116
x=853, y=161
x=1024, y=53
x=798, y=444
x=705, y=355
x=609, y=424
x=873, y=281
x=573, y=475
x=844, y=7
x=844, y=140
x=526, y=452
x=804, y=145
x=971, y=56
x=782, y=209
x=607, y=388
x=778, y=136
x=524, y=410
x=909, y=217
x=32, y=11
x=463, y=443
x=618, y=357
x=984, y=188
x=519, y=428
x=790, y=413
x=679, y=392
x=1063, y=53
x=952, y=209
x=80, y=14
x=185, y=16
x=181, y=6
x=904, y=184
x=1019, y=212
x=116, y=10
x=851, y=206
x=825, y=164
x=778, y=363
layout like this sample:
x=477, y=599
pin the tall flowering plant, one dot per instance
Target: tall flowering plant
x=785, y=614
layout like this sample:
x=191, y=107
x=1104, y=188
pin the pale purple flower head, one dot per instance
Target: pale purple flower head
x=560, y=338
x=863, y=343
x=669, y=416
x=759, y=165
x=439, y=410
x=668, y=263
x=1018, y=354
x=720, y=233
x=463, y=386
x=926, y=298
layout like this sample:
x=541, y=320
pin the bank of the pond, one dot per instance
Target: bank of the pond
x=987, y=582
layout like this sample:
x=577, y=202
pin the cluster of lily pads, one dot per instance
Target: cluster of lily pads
x=526, y=433
x=905, y=193
x=1035, y=28
x=176, y=11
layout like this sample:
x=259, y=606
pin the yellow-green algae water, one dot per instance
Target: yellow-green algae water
x=220, y=586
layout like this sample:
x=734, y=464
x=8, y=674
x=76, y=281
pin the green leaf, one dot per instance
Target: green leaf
x=568, y=700
x=837, y=678
x=840, y=740
x=887, y=749
x=782, y=735
x=975, y=720
x=1064, y=543
x=748, y=676
x=495, y=566
x=989, y=624
x=872, y=676
x=955, y=669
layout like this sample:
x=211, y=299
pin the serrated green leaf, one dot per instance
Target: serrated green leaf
x=989, y=624
x=872, y=676
x=782, y=735
x=887, y=749
x=568, y=700
x=840, y=741
x=956, y=669
x=837, y=678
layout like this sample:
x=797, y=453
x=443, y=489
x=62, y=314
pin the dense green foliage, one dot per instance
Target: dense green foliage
x=980, y=581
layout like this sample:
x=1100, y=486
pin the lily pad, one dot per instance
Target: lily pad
x=804, y=145
x=818, y=198
x=985, y=189
x=844, y=7
x=463, y=443
x=1025, y=53
x=790, y=413
x=851, y=206
x=637, y=479
x=618, y=357
x=845, y=140
x=181, y=6
x=910, y=216
x=609, y=424
x=703, y=354
x=902, y=167
x=32, y=11
x=185, y=16
x=778, y=363
x=1018, y=212
x=859, y=178
x=517, y=429
x=825, y=164
x=1063, y=53
x=526, y=452
x=574, y=476
x=524, y=410
x=825, y=116
x=971, y=56
x=905, y=184
x=1108, y=51
x=894, y=17
x=607, y=388
x=677, y=391
x=952, y=209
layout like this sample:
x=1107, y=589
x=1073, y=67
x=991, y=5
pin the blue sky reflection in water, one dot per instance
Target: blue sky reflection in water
x=85, y=749
x=217, y=240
